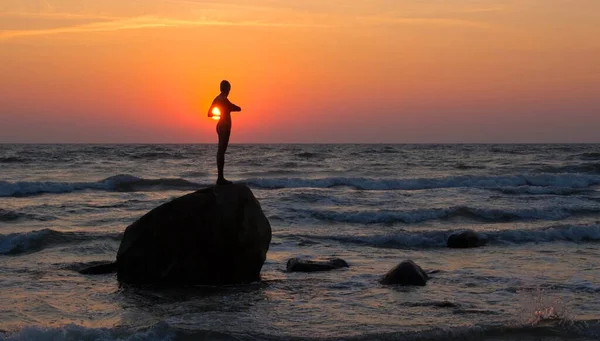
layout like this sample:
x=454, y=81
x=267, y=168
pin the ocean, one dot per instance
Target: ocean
x=65, y=207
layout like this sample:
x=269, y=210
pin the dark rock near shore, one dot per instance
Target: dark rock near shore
x=465, y=239
x=406, y=273
x=214, y=236
x=312, y=265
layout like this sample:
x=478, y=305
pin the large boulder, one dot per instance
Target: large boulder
x=214, y=236
x=406, y=273
x=465, y=239
x=313, y=265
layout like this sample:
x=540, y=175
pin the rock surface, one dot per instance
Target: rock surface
x=465, y=239
x=99, y=269
x=406, y=273
x=214, y=236
x=312, y=265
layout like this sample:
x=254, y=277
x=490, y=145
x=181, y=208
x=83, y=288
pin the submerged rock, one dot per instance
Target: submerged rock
x=465, y=239
x=317, y=264
x=406, y=273
x=214, y=236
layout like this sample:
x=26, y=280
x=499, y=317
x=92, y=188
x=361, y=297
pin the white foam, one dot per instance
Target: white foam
x=15, y=243
x=571, y=233
x=568, y=233
x=489, y=182
x=421, y=215
x=546, y=181
x=20, y=241
x=26, y=188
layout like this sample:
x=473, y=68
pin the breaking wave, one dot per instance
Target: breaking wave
x=568, y=233
x=535, y=184
x=125, y=183
x=486, y=182
x=421, y=215
x=18, y=243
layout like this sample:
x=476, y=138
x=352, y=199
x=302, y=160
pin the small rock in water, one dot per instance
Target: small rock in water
x=312, y=265
x=406, y=273
x=465, y=239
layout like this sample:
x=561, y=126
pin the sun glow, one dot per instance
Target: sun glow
x=216, y=113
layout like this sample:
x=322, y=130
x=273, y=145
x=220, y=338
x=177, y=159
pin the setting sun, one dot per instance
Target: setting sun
x=216, y=113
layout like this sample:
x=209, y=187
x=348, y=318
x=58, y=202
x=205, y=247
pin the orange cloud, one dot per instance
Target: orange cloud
x=140, y=23
x=57, y=15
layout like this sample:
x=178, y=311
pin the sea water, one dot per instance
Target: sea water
x=64, y=207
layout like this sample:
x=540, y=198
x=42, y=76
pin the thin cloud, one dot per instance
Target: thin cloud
x=103, y=23
x=58, y=16
x=140, y=23
x=216, y=4
x=423, y=21
x=482, y=9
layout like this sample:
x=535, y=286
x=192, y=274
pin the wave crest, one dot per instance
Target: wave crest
x=536, y=184
x=18, y=243
x=124, y=183
x=485, y=182
x=569, y=233
x=421, y=215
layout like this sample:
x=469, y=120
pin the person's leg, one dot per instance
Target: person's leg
x=223, y=143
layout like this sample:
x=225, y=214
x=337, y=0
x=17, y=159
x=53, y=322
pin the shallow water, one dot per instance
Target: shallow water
x=63, y=207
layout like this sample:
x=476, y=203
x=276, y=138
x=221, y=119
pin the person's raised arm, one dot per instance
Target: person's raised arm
x=234, y=107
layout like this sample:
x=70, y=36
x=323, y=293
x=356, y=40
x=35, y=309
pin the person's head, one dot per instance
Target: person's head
x=225, y=87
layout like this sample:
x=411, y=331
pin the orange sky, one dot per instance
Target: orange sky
x=302, y=71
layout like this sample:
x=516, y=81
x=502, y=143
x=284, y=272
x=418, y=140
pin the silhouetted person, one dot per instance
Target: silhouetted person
x=223, y=126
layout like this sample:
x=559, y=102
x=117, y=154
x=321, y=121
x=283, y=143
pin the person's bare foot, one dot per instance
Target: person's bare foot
x=222, y=181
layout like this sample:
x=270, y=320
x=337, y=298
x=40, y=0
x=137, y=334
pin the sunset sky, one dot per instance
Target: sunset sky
x=411, y=71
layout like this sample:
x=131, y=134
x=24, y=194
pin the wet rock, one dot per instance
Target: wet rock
x=214, y=236
x=406, y=273
x=465, y=239
x=317, y=264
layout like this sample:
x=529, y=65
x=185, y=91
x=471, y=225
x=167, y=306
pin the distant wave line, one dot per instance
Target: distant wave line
x=536, y=184
x=436, y=239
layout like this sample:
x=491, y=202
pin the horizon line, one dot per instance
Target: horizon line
x=297, y=143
